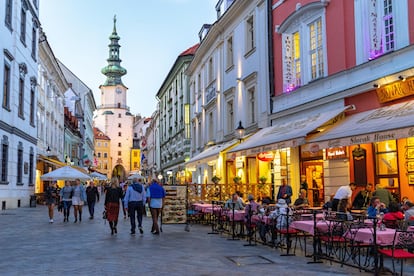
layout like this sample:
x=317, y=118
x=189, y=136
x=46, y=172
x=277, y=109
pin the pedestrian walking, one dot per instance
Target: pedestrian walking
x=134, y=201
x=124, y=187
x=78, y=199
x=112, y=197
x=66, y=197
x=92, y=196
x=51, y=194
x=156, y=195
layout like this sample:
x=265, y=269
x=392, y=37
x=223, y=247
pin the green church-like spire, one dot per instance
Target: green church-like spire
x=113, y=71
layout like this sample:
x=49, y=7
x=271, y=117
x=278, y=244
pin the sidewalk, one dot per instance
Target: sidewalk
x=31, y=246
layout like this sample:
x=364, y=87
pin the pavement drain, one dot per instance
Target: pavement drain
x=249, y=260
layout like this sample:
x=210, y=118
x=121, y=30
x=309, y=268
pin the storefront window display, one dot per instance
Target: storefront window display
x=387, y=164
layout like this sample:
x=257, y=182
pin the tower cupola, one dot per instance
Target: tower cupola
x=113, y=71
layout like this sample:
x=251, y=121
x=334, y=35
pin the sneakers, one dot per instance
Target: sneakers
x=50, y=220
x=141, y=230
x=133, y=233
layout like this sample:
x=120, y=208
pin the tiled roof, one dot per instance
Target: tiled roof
x=191, y=50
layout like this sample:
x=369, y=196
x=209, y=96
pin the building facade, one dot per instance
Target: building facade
x=19, y=32
x=52, y=85
x=341, y=100
x=229, y=87
x=112, y=115
x=174, y=120
x=102, y=161
x=81, y=102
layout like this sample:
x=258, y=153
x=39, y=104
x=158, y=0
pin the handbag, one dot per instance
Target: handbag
x=104, y=215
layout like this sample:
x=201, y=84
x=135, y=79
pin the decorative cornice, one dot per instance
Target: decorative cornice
x=23, y=69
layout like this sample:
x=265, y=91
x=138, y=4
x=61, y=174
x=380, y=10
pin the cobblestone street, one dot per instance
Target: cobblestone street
x=32, y=246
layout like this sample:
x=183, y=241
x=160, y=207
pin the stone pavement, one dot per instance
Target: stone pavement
x=29, y=245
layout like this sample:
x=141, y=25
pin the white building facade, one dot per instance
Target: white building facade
x=229, y=86
x=18, y=131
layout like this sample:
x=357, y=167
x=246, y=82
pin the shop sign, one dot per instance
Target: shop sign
x=266, y=156
x=396, y=90
x=336, y=153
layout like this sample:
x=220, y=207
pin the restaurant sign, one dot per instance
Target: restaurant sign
x=395, y=90
x=266, y=156
x=336, y=153
x=367, y=138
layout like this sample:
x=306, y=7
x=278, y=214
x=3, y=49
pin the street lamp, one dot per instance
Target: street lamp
x=48, y=150
x=240, y=131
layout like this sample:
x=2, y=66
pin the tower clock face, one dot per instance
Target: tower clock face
x=118, y=91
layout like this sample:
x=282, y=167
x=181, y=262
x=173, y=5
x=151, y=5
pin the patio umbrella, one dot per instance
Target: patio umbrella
x=135, y=175
x=65, y=173
x=98, y=176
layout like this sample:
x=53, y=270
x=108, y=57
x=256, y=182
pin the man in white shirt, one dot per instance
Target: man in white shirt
x=342, y=198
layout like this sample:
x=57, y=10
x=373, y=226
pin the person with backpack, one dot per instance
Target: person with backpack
x=134, y=202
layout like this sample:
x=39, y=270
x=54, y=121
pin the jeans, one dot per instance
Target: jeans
x=138, y=208
x=91, y=207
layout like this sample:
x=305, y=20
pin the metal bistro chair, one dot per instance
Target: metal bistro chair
x=402, y=248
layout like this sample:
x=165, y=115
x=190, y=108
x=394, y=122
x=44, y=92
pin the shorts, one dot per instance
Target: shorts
x=76, y=200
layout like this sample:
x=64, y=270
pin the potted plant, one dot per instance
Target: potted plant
x=215, y=179
x=262, y=182
x=237, y=179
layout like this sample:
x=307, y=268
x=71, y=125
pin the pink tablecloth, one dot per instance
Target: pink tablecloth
x=202, y=206
x=261, y=218
x=238, y=215
x=210, y=209
x=308, y=226
x=366, y=235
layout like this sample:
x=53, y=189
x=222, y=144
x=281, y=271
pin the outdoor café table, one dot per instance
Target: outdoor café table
x=238, y=215
x=366, y=235
x=210, y=209
x=308, y=226
x=202, y=206
x=261, y=218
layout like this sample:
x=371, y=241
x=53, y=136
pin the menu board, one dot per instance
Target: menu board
x=175, y=203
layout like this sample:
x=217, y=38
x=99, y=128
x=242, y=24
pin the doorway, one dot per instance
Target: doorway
x=313, y=172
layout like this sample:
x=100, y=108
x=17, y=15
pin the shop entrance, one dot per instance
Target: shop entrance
x=313, y=173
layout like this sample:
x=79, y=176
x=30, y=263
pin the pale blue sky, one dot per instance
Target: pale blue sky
x=153, y=33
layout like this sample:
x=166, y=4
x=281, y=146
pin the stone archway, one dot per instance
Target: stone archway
x=119, y=172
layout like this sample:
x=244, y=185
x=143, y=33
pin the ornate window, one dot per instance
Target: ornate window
x=6, y=86
x=229, y=53
x=250, y=34
x=9, y=14
x=4, y=160
x=303, y=46
x=20, y=164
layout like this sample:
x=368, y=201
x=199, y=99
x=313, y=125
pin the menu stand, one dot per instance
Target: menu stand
x=233, y=225
x=315, y=241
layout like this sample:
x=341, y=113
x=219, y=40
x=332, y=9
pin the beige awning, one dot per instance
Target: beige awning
x=287, y=133
x=385, y=123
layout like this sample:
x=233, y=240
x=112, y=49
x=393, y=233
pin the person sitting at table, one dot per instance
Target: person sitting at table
x=240, y=198
x=363, y=197
x=282, y=214
x=302, y=201
x=376, y=207
x=234, y=201
x=251, y=209
x=409, y=212
x=393, y=215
